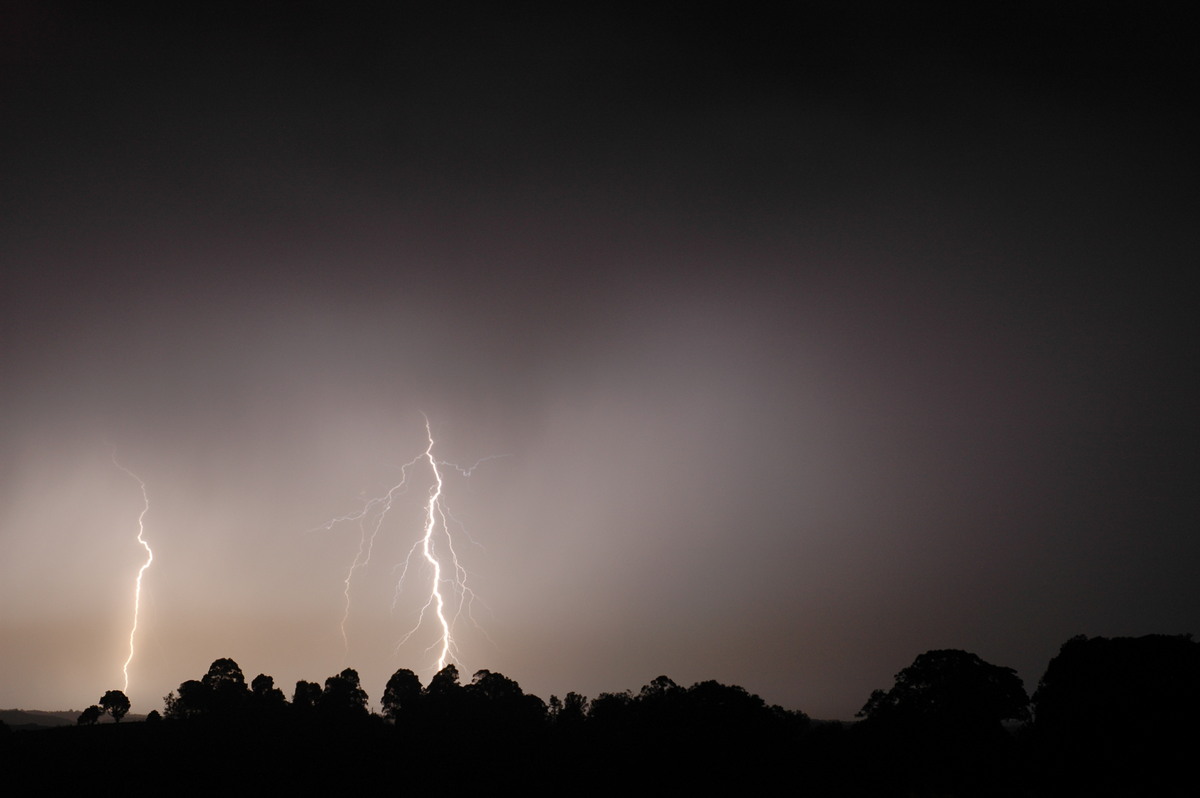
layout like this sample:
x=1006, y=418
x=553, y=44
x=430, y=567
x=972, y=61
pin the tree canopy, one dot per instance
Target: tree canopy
x=402, y=692
x=115, y=703
x=220, y=692
x=1110, y=714
x=953, y=690
x=343, y=694
x=1125, y=707
x=306, y=695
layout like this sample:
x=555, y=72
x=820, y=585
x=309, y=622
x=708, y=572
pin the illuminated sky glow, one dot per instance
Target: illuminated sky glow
x=811, y=344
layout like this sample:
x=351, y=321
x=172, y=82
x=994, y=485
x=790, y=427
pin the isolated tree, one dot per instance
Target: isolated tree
x=90, y=715
x=115, y=703
x=402, y=692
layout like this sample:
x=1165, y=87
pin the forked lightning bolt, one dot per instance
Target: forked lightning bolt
x=370, y=518
x=433, y=510
x=449, y=597
x=137, y=590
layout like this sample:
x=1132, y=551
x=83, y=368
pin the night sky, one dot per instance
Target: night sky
x=802, y=341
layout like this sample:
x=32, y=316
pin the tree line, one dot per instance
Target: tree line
x=1107, y=717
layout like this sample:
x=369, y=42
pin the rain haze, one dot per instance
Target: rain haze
x=784, y=348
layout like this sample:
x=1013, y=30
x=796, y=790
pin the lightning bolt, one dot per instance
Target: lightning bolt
x=433, y=509
x=370, y=519
x=137, y=590
x=449, y=596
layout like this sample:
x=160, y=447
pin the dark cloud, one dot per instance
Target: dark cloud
x=810, y=343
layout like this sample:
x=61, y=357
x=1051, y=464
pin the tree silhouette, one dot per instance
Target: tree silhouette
x=659, y=686
x=497, y=702
x=115, y=703
x=343, y=694
x=570, y=712
x=90, y=715
x=306, y=695
x=731, y=711
x=952, y=689
x=659, y=702
x=228, y=694
x=1120, y=711
x=494, y=686
x=444, y=682
x=194, y=698
x=224, y=673
x=402, y=692
x=265, y=695
x=940, y=726
x=611, y=715
x=703, y=736
x=220, y=692
x=443, y=704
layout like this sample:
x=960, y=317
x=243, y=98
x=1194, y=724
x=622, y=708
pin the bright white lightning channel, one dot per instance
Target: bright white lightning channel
x=449, y=596
x=137, y=590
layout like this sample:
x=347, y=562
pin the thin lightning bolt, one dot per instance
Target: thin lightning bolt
x=370, y=519
x=137, y=591
x=447, y=570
